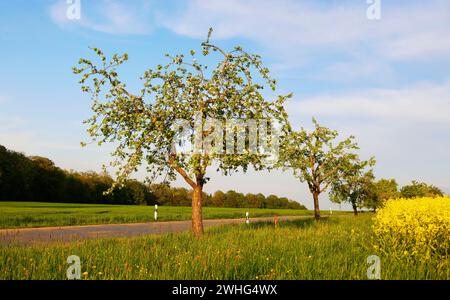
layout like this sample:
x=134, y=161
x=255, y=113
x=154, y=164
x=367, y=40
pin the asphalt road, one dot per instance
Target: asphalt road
x=29, y=236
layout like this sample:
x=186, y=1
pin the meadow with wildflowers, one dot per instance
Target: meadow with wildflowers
x=334, y=248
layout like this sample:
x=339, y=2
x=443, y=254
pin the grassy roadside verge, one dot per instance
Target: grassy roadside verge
x=334, y=249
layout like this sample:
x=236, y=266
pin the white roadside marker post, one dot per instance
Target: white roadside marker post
x=331, y=212
x=156, y=212
x=247, y=219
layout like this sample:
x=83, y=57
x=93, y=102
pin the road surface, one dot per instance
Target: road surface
x=29, y=236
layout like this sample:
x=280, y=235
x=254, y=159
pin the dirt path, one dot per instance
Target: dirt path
x=29, y=236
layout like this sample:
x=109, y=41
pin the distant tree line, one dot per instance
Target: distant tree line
x=365, y=192
x=38, y=179
x=167, y=195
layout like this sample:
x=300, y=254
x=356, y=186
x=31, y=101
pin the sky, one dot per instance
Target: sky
x=385, y=80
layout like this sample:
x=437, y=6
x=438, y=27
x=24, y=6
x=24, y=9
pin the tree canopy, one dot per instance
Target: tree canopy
x=185, y=102
x=385, y=189
x=420, y=189
x=317, y=158
x=356, y=188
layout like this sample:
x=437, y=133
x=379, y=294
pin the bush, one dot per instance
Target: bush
x=418, y=228
x=420, y=189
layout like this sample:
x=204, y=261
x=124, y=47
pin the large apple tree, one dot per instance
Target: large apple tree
x=145, y=126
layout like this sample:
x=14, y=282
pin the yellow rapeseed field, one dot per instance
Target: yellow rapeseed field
x=417, y=228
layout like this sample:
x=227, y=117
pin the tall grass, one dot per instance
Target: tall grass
x=333, y=249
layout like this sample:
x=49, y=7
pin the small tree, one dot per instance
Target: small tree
x=316, y=160
x=385, y=189
x=356, y=187
x=145, y=126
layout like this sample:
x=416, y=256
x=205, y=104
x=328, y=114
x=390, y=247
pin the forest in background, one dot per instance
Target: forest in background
x=38, y=179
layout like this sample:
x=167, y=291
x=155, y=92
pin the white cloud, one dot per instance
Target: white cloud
x=107, y=16
x=277, y=23
x=297, y=32
x=356, y=70
x=419, y=103
x=289, y=23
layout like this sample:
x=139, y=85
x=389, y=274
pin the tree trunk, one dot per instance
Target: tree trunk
x=197, y=221
x=316, y=206
x=355, y=209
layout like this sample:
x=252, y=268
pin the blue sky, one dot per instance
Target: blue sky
x=386, y=81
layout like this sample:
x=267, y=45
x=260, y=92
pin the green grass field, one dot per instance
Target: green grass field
x=333, y=249
x=33, y=214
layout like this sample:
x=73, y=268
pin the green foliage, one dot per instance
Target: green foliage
x=17, y=174
x=217, y=199
x=385, y=189
x=39, y=179
x=317, y=160
x=369, y=193
x=142, y=124
x=235, y=199
x=420, y=189
x=355, y=187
